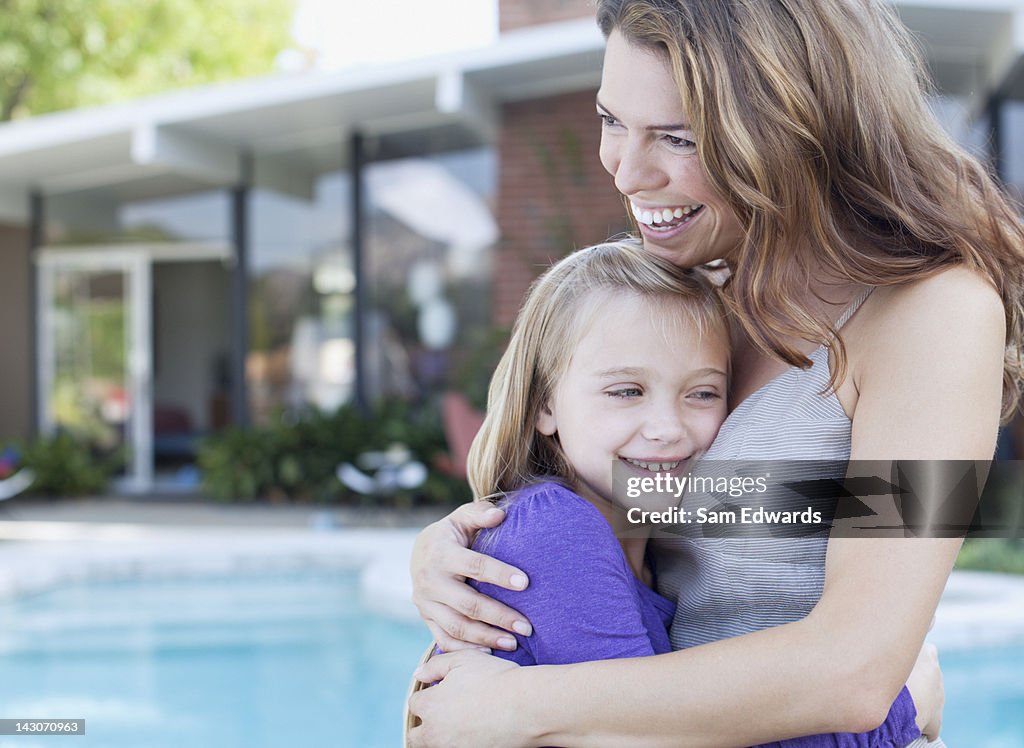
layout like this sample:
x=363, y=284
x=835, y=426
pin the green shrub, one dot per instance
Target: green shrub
x=236, y=464
x=992, y=554
x=295, y=459
x=66, y=466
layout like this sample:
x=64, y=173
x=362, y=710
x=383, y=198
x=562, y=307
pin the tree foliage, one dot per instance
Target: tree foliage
x=60, y=54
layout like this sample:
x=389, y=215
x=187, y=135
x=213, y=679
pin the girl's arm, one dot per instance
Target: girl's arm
x=584, y=601
x=929, y=384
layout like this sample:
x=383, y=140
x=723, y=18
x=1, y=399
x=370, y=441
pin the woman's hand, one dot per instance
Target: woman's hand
x=456, y=614
x=459, y=711
x=925, y=686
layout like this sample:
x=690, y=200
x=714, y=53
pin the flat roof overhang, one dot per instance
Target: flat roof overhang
x=974, y=48
x=295, y=127
x=291, y=128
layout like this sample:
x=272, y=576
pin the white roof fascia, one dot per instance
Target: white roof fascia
x=458, y=96
x=165, y=133
x=72, y=181
x=188, y=106
x=996, y=60
x=188, y=154
x=550, y=40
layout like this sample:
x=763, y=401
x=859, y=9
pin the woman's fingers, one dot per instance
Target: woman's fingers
x=447, y=644
x=483, y=568
x=466, y=624
x=457, y=711
x=476, y=515
x=437, y=667
x=442, y=550
x=459, y=616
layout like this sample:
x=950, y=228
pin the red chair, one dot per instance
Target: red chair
x=461, y=423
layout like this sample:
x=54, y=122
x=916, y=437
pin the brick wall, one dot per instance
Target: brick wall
x=515, y=14
x=553, y=194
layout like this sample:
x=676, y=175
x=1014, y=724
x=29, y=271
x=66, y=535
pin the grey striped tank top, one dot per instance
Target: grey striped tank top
x=726, y=587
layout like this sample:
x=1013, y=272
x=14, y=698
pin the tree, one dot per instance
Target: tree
x=60, y=54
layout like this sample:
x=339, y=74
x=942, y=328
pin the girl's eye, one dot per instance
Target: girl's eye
x=626, y=392
x=706, y=396
x=677, y=142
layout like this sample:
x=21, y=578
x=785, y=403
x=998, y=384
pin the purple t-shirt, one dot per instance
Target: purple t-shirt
x=585, y=603
x=583, y=600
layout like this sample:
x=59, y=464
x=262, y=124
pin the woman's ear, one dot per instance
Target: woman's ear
x=546, y=420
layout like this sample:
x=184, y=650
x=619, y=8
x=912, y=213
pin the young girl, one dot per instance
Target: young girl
x=618, y=361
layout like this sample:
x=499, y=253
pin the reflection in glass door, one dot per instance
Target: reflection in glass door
x=94, y=354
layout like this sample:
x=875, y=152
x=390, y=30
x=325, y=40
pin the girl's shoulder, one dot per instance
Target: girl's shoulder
x=548, y=500
x=546, y=512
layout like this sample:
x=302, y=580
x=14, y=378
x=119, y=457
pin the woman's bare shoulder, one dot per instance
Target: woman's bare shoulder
x=953, y=301
x=928, y=366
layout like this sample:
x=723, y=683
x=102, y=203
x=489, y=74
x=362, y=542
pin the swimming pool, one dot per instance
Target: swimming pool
x=984, y=697
x=292, y=659
x=260, y=661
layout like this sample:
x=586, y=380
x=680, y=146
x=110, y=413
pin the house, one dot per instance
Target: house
x=180, y=262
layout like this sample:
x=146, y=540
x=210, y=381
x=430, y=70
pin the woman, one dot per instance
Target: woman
x=792, y=139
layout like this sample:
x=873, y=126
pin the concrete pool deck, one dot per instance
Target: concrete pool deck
x=43, y=546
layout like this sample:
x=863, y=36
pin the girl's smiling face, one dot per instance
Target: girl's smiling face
x=643, y=389
x=648, y=147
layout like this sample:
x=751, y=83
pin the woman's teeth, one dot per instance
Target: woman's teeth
x=665, y=216
x=657, y=467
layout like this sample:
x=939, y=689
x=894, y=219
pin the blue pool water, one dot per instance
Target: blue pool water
x=259, y=662
x=984, y=698
x=292, y=660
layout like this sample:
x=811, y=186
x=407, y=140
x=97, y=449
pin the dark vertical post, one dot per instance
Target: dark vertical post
x=36, y=238
x=240, y=293
x=357, y=164
x=997, y=133
x=1005, y=447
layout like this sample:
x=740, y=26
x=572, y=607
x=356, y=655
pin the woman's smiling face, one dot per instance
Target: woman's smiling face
x=647, y=146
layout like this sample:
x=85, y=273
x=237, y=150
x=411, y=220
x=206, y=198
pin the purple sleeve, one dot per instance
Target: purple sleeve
x=582, y=600
x=898, y=730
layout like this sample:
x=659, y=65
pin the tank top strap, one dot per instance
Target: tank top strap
x=852, y=309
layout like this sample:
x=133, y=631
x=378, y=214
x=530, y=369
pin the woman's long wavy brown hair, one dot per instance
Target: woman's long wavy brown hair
x=508, y=453
x=811, y=119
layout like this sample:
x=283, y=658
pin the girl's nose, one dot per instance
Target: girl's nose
x=665, y=427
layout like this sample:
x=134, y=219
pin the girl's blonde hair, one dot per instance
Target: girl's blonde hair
x=509, y=452
x=811, y=119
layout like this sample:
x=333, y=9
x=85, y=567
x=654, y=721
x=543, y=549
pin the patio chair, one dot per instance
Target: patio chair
x=15, y=484
x=461, y=423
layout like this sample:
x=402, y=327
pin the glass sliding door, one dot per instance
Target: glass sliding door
x=95, y=354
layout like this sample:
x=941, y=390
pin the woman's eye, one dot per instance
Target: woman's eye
x=677, y=142
x=607, y=120
x=626, y=392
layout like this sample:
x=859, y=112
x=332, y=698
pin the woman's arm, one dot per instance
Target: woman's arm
x=929, y=378
x=456, y=614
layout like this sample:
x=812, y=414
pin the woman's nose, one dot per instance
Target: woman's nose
x=631, y=166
